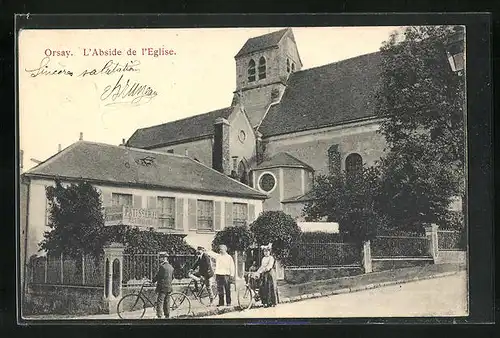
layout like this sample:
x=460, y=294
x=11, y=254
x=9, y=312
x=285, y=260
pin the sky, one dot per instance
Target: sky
x=196, y=75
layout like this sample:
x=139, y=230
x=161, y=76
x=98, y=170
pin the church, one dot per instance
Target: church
x=284, y=125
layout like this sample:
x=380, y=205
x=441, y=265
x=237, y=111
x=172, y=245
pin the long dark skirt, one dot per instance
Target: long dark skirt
x=268, y=289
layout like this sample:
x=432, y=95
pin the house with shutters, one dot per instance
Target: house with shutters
x=170, y=193
x=285, y=124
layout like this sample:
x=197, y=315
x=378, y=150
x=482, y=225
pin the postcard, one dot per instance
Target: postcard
x=266, y=172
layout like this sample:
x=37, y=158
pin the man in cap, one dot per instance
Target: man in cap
x=163, y=280
x=204, y=265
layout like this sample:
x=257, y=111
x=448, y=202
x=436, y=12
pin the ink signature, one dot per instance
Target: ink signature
x=127, y=92
x=44, y=69
x=112, y=67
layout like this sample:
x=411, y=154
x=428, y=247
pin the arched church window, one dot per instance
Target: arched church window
x=353, y=163
x=251, y=70
x=288, y=65
x=243, y=172
x=293, y=67
x=262, y=68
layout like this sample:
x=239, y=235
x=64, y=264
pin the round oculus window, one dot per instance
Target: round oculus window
x=267, y=182
x=242, y=136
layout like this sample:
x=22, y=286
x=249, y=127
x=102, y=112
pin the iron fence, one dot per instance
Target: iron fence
x=450, y=240
x=325, y=254
x=400, y=246
x=140, y=266
x=57, y=269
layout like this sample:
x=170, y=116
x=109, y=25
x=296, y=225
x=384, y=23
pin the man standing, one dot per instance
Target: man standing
x=163, y=281
x=204, y=265
x=224, y=273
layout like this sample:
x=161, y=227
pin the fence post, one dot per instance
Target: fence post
x=367, y=257
x=112, y=252
x=83, y=269
x=431, y=232
x=62, y=267
x=45, y=268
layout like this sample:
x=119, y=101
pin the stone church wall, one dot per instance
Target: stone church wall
x=200, y=149
x=312, y=147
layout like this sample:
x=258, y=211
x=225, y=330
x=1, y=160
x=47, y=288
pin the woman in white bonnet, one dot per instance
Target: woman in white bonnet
x=268, y=289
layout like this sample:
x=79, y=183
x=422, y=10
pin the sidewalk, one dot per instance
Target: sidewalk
x=324, y=288
x=315, y=289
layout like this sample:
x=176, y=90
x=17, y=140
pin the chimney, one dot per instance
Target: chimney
x=21, y=160
x=220, y=151
x=59, y=148
x=81, y=136
x=123, y=142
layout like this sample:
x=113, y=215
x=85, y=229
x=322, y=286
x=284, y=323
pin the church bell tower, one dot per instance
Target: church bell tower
x=263, y=66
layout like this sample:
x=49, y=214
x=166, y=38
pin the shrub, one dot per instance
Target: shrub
x=236, y=238
x=349, y=199
x=140, y=241
x=277, y=228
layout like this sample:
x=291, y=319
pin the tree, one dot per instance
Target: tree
x=277, y=228
x=420, y=93
x=416, y=188
x=237, y=238
x=421, y=102
x=348, y=199
x=75, y=219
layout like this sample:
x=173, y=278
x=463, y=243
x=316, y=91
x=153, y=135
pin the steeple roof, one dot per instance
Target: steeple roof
x=262, y=42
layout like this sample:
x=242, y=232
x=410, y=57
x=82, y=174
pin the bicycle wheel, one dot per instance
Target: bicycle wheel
x=131, y=307
x=204, y=297
x=245, y=297
x=180, y=305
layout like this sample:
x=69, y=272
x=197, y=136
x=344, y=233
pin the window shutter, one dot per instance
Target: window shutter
x=218, y=216
x=106, y=198
x=192, y=214
x=137, y=201
x=251, y=213
x=151, y=202
x=179, y=214
x=229, y=214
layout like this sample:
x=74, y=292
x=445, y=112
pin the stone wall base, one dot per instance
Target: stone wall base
x=304, y=275
x=382, y=264
x=64, y=300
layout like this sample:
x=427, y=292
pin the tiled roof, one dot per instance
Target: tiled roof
x=122, y=165
x=329, y=95
x=324, y=96
x=262, y=42
x=283, y=160
x=177, y=131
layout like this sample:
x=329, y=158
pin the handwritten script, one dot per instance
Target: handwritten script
x=127, y=92
x=123, y=91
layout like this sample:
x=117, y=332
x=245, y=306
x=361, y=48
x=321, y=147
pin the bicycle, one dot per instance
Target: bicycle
x=248, y=294
x=133, y=306
x=202, y=294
